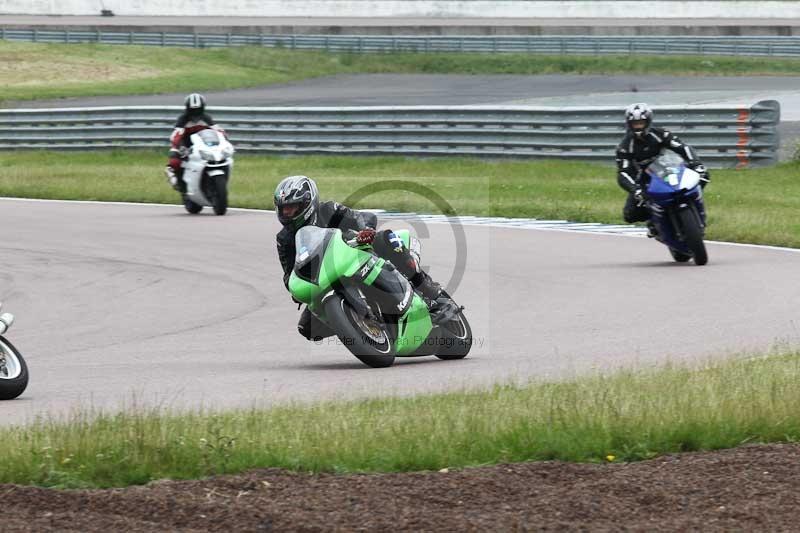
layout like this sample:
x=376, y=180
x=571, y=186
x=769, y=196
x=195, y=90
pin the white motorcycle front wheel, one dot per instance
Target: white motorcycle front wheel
x=13, y=371
x=219, y=195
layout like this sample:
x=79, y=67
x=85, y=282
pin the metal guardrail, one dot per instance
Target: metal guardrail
x=550, y=44
x=724, y=136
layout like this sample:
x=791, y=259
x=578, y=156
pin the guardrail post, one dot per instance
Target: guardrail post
x=228, y=39
x=163, y=38
x=66, y=36
x=196, y=41
x=294, y=44
x=35, y=35
x=262, y=40
x=130, y=37
x=97, y=36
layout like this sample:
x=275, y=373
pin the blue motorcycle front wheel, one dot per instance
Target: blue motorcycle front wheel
x=692, y=231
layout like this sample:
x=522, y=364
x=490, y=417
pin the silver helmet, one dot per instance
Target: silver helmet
x=638, y=118
x=296, y=201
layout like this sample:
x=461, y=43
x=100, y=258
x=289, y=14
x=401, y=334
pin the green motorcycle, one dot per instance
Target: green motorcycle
x=371, y=307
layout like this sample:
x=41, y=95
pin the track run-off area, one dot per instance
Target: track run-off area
x=133, y=305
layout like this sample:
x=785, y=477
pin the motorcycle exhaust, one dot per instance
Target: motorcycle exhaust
x=6, y=319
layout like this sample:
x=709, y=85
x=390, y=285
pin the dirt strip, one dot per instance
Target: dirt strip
x=748, y=488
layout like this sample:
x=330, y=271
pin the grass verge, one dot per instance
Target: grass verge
x=753, y=206
x=35, y=71
x=626, y=416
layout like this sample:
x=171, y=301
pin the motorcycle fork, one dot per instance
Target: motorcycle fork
x=685, y=203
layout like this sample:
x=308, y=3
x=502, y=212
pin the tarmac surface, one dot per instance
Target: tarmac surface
x=140, y=305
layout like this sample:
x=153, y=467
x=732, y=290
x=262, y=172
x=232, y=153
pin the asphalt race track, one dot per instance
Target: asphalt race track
x=121, y=305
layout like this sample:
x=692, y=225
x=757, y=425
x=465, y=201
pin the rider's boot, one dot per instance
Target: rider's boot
x=426, y=286
x=652, y=232
x=175, y=179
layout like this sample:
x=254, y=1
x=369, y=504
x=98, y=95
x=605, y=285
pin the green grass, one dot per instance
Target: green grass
x=35, y=71
x=755, y=206
x=626, y=416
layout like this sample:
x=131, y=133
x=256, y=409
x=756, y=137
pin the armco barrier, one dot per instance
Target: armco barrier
x=724, y=136
x=550, y=44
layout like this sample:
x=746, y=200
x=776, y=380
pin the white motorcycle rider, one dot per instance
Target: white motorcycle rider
x=13, y=370
x=206, y=171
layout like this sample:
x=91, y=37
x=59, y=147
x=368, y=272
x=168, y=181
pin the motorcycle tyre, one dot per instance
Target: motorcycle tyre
x=11, y=388
x=461, y=344
x=191, y=207
x=693, y=235
x=220, y=196
x=679, y=257
x=351, y=336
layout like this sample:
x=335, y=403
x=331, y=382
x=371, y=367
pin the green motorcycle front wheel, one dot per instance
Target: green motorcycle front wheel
x=366, y=339
x=458, y=336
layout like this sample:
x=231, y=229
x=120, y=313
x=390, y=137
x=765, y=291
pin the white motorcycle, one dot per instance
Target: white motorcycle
x=13, y=370
x=207, y=171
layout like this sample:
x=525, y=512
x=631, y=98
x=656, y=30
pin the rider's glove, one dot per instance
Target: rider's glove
x=365, y=236
x=638, y=195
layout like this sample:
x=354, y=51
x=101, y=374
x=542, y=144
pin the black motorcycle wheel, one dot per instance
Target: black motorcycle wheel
x=191, y=207
x=680, y=257
x=220, y=186
x=11, y=387
x=372, y=347
x=458, y=336
x=693, y=235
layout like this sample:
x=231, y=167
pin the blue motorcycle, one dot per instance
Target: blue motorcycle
x=677, y=211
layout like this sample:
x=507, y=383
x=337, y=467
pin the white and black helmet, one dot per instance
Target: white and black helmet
x=195, y=103
x=642, y=115
x=300, y=191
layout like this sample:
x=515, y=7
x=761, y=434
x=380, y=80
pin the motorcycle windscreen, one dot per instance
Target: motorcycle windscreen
x=666, y=165
x=665, y=176
x=310, y=244
x=209, y=137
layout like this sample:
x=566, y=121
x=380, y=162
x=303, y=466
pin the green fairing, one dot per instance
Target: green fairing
x=413, y=327
x=341, y=261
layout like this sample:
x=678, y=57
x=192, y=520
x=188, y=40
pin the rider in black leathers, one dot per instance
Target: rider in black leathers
x=297, y=204
x=641, y=146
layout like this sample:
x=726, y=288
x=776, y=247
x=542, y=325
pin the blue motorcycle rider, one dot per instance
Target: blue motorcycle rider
x=642, y=145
